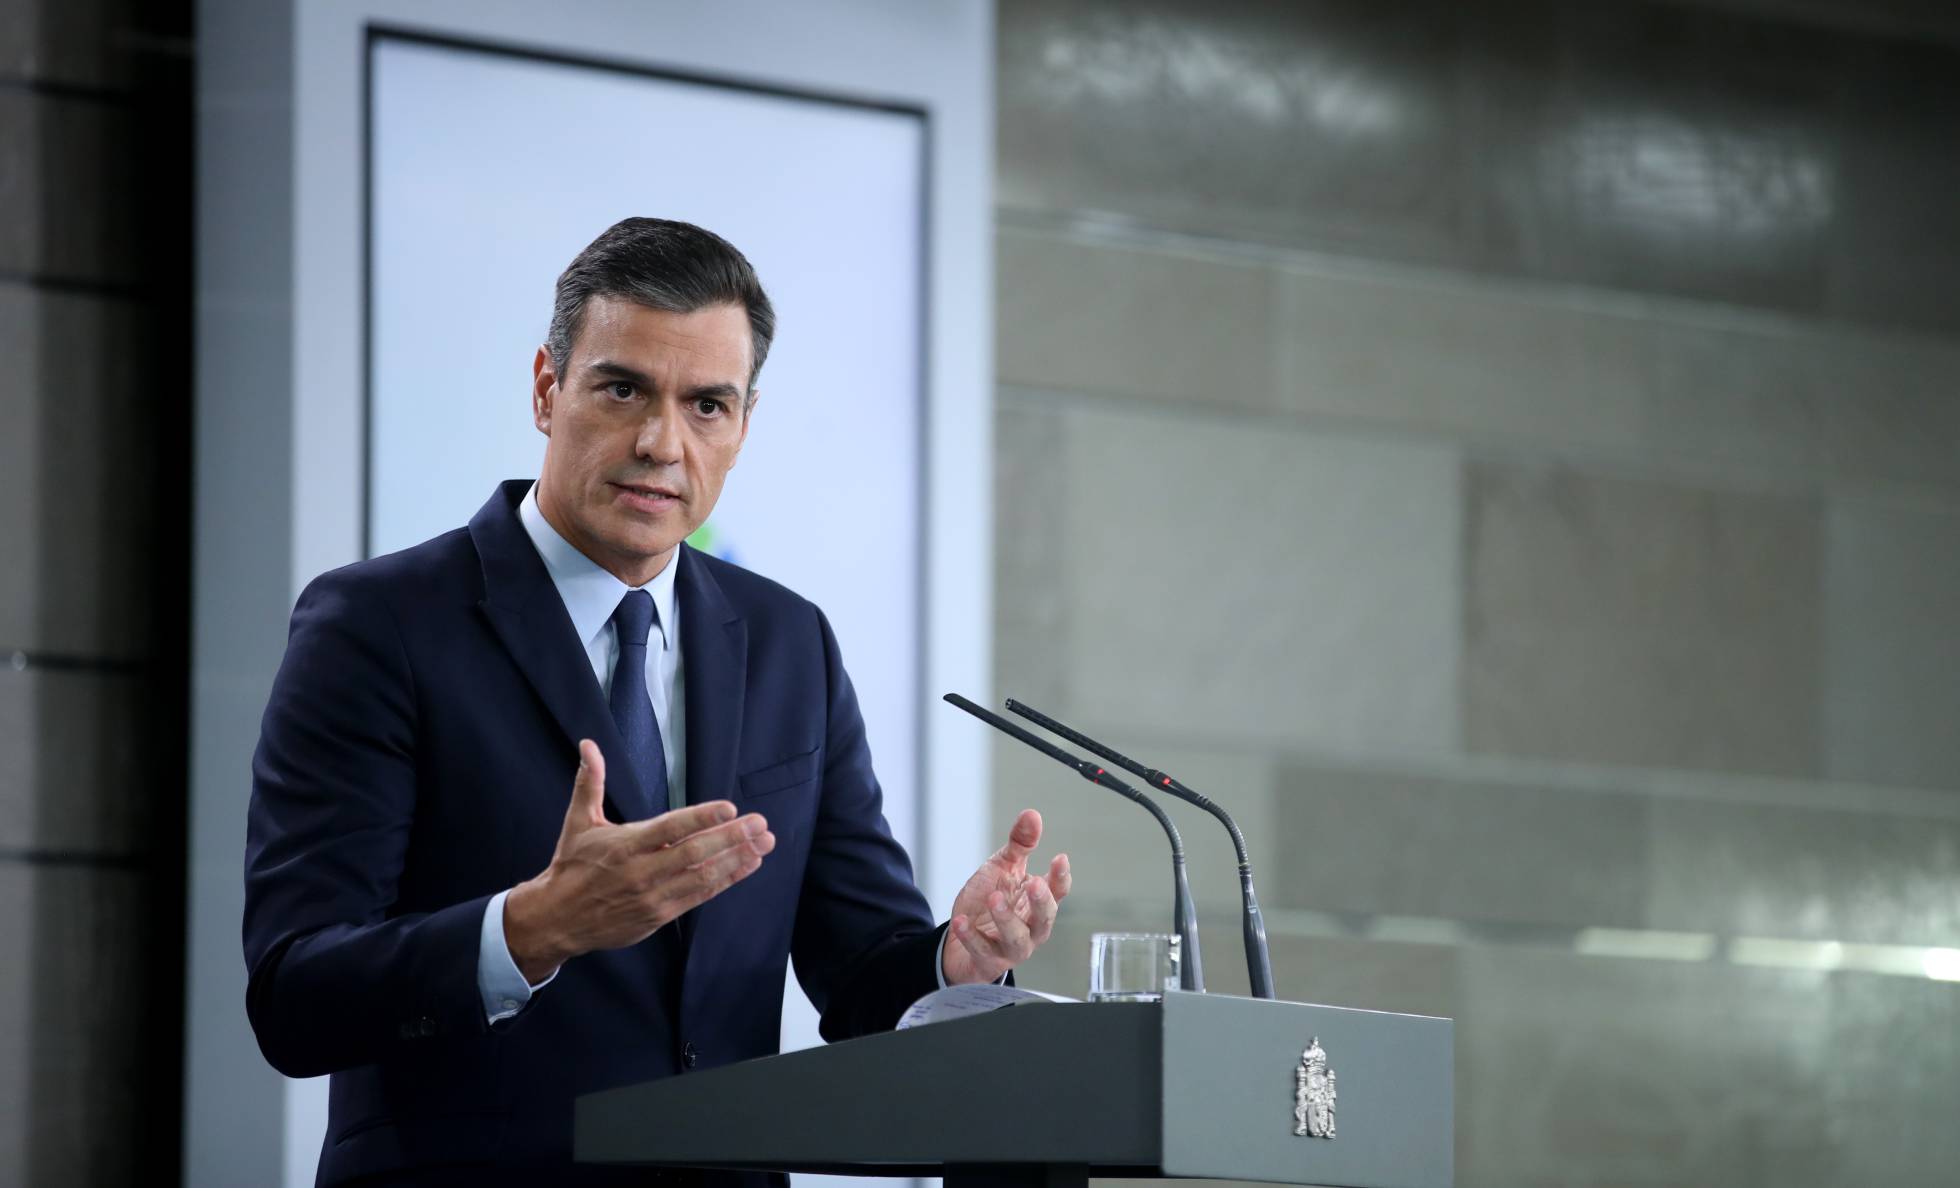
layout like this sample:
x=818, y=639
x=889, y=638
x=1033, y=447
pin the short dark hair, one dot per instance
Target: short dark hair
x=661, y=264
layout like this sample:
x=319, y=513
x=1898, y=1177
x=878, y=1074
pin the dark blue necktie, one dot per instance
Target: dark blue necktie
x=632, y=709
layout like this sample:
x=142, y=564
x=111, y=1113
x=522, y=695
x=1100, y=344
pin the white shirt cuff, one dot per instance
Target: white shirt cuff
x=498, y=980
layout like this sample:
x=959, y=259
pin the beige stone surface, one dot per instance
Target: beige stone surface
x=1621, y=621
x=1889, y=416
x=1031, y=607
x=1518, y=365
x=1603, y=1071
x=1683, y=387
x=1892, y=649
x=1395, y=844
x=1804, y=873
x=1102, y=319
x=1243, y=581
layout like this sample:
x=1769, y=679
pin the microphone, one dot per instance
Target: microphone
x=1258, y=962
x=1190, y=966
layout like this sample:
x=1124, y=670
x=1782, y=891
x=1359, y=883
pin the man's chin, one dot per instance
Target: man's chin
x=643, y=547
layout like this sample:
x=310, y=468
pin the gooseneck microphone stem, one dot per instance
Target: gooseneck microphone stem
x=1190, y=966
x=1258, y=961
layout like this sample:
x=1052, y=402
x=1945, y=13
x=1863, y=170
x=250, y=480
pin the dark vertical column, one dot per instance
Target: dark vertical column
x=95, y=169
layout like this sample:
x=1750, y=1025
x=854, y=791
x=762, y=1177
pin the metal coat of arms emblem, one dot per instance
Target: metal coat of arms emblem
x=1313, y=1094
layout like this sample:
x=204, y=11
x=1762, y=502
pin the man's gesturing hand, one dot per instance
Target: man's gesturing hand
x=1003, y=914
x=609, y=886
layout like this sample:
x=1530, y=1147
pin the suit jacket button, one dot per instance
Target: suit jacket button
x=688, y=1055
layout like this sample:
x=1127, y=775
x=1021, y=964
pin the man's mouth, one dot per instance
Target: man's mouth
x=647, y=493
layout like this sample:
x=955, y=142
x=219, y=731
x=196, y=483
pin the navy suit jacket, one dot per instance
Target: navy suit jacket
x=416, y=758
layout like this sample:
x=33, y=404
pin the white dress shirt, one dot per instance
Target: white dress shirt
x=591, y=595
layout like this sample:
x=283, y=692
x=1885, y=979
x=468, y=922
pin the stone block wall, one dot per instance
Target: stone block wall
x=1510, y=454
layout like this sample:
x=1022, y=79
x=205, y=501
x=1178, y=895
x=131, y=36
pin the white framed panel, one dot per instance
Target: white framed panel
x=827, y=497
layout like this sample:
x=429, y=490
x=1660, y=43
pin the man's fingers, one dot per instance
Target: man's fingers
x=670, y=827
x=672, y=865
x=1058, y=877
x=697, y=884
x=1042, y=910
x=746, y=832
x=588, y=807
x=1015, y=942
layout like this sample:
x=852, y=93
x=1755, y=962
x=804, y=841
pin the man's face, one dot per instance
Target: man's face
x=643, y=427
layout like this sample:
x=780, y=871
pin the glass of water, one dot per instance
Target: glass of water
x=1132, y=966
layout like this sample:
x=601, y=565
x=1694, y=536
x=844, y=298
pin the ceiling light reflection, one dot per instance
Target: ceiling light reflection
x=1654, y=945
x=1942, y=965
x=1670, y=172
x=1178, y=67
x=1786, y=954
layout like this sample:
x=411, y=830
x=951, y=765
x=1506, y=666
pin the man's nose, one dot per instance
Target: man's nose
x=660, y=436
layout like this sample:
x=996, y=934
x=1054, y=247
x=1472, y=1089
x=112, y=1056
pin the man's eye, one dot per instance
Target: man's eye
x=709, y=408
x=620, y=390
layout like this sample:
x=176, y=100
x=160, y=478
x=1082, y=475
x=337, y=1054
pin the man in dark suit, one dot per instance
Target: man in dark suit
x=428, y=920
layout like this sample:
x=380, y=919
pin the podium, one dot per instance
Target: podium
x=1050, y=1094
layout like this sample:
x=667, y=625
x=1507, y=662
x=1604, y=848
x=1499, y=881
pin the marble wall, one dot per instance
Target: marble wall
x=1510, y=454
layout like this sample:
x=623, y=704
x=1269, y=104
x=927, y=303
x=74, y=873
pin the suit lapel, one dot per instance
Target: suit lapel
x=714, y=652
x=529, y=619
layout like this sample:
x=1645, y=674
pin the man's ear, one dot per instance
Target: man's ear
x=544, y=390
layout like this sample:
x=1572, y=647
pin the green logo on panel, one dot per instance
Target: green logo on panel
x=713, y=543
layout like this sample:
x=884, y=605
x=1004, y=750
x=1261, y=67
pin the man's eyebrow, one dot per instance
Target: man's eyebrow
x=723, y=390
x=621, y=371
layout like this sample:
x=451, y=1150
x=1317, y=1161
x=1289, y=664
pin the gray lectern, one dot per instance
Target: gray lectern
x=1049, y=1094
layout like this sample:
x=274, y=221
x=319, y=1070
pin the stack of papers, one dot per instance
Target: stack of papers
x=957, y=1002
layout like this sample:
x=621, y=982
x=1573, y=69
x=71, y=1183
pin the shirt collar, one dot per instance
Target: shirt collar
x=590, y=593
